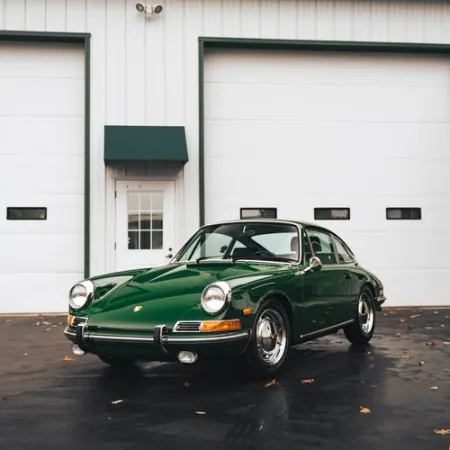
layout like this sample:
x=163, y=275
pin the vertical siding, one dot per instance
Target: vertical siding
x=146, y=71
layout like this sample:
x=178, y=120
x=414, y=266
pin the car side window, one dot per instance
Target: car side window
x=344, y=255
x=322, y=245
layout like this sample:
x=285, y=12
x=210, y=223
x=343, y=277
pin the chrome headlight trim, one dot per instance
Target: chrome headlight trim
x=81, y=294
x=221, y=292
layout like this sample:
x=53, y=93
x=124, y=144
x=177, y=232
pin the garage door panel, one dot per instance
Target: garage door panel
x=41, y=61
x=59, y=174
x=41, y=252
x=62, y=213
x=42, y=136
x=415, y=287
x=64, y=97
x=324, y=103
x=335, y=140
x=46, y=293
x=41, y=165
x=253, y=66
x=398, y=177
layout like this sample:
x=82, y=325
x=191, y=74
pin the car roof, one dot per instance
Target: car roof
x=301, y=223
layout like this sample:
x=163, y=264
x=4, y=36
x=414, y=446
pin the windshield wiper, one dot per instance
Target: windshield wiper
x=209, y=258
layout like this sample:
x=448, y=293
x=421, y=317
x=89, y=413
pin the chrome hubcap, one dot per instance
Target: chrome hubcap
x=271, y=336
x=366, y=314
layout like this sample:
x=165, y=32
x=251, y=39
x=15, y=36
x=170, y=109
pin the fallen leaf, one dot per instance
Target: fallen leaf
x=373, y=385
x=25, y=354
x=200, y=412
x=308, y=381
x=421, y=363
x=37, y=323
x=368, y=353
x=405, y=356
x=365, y=410
x=442, y=431
x=428, y=328
x=430, y=343
x=271, y=383
x=446, y=343
x=67, y=359
x=115, y=402
x=414, y=316
x=434, y=388
x=400, y=320
x=398, y=335
x=436, y=312
x=48, y=329
x=46, y=323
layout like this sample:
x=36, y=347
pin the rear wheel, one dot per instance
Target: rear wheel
x=361, y=330
x=269, y=342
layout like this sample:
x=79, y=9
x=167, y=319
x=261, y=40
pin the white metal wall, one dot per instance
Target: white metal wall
x=145, y=72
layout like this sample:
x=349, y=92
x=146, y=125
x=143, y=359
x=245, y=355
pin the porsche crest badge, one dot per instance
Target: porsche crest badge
x=137, y=308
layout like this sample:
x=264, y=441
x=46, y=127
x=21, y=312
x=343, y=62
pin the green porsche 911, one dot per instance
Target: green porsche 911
x=245, y=289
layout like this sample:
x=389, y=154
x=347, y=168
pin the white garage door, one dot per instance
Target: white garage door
x=41, y=166
x=298, y=131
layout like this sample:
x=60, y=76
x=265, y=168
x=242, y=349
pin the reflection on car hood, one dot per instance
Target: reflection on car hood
x=166, y=294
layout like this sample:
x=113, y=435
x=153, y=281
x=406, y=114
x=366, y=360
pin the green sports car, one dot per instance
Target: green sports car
x=246, y=290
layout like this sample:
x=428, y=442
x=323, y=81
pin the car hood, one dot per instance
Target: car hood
x=167, y=294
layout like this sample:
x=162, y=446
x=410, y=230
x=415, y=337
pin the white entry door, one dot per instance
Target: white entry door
x=145, y=223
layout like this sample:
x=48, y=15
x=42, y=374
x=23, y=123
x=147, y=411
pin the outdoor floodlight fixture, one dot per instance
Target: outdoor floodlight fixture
x=149, y=9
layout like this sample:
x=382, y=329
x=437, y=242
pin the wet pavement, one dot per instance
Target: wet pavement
x=393, y=394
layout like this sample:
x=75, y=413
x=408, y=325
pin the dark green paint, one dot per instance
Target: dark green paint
x=70, y=38
x=316, y=301
x=145, y=143
x=284, y=44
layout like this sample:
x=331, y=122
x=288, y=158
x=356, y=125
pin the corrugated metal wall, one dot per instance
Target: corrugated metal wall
x=145, y=71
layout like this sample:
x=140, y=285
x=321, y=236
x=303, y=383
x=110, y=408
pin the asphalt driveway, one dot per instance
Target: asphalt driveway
x=394, y=394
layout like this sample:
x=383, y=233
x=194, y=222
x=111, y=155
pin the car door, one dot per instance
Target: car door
x=324, y=290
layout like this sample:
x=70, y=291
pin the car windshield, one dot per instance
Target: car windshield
x=244, y=240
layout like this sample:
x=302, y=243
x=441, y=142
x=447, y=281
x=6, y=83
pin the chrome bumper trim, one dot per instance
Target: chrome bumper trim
x=164, y=339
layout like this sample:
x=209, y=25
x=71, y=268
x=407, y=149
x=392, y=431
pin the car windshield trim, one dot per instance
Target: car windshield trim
x=234, y=238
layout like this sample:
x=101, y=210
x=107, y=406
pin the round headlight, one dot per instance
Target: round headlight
x=81, y=294
x=215, y=297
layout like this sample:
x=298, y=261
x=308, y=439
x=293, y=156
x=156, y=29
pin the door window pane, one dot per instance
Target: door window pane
x=157, y=240
x=145, y=220
x=322, y=245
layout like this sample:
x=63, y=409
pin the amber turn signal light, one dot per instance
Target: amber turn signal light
x=220, y=325
x=246, y=312
x=70, y=320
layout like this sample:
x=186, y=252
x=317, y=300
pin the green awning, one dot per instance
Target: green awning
x=145, y=143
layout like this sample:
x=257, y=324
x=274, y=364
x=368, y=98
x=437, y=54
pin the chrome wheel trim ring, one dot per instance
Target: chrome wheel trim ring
x=271, y=337
x=366, y=314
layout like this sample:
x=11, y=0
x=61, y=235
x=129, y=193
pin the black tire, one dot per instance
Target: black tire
x=117, y=361
x=271, y=314
x=361, y=331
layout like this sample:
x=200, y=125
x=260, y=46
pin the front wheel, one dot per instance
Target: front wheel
x=361, y=331
x=269, y=342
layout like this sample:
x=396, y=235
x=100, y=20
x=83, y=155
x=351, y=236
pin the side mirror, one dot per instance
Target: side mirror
x=315, y=264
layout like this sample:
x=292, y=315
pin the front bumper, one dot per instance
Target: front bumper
x=160, y=344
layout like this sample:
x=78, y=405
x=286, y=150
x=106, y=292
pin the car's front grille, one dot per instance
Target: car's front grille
x=187, y=327
x=78, y=321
